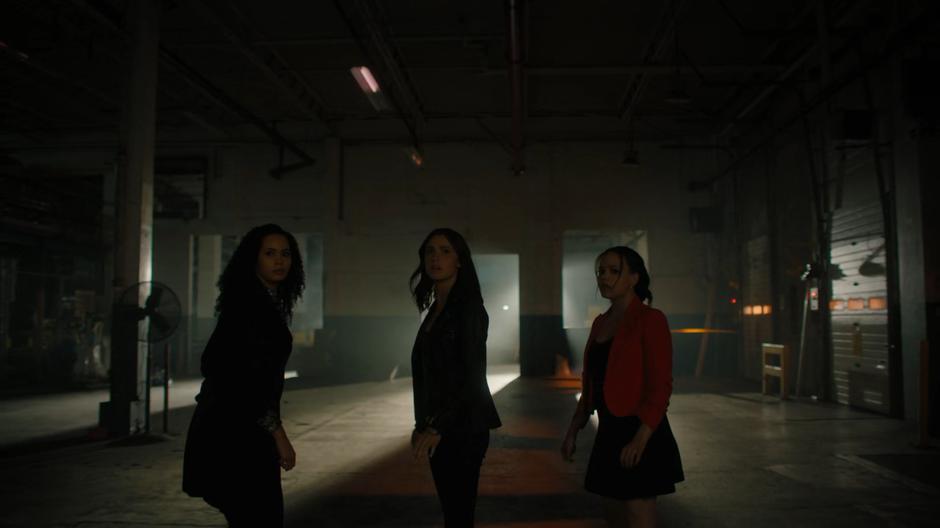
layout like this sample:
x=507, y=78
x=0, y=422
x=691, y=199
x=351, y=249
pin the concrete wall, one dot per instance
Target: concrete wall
x=388, y=206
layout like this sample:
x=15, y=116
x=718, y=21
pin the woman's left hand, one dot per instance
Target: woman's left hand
x=631, y=453
x=425, y=441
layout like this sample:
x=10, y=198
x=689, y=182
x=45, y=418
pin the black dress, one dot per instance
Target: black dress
x=660, y=466
x=231, y=460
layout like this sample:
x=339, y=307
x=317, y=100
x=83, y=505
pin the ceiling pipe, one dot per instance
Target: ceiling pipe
x=516, y=87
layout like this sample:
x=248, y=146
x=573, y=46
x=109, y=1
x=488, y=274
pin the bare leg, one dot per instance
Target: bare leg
x=634, y=513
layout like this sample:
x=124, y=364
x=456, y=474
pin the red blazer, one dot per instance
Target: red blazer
x=638, y=381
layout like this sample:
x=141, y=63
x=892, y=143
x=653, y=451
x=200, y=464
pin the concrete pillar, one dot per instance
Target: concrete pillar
x=124, y=414
x=209, y=268
x=910, y=265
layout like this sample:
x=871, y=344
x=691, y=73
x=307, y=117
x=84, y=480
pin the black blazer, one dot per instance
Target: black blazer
x=448, y=366
x=228, y=446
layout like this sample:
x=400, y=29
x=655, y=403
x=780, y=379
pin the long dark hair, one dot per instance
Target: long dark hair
x=467, y=286
x=632, y=260
x=240, y=279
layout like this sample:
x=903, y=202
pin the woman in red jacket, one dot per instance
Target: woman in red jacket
x=627, y=379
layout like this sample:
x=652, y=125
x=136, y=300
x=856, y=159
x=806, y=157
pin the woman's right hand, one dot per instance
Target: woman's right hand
x=568, y=446
x=285, y=451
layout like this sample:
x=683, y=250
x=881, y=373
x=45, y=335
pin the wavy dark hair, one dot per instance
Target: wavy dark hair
x=629, y=258
x=467, y=286
x=240, y=279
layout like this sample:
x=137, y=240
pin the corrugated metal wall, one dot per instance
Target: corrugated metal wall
x=859, y=311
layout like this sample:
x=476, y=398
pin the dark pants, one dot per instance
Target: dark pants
x=264, y=510
x=456, y=469
x=257, y=502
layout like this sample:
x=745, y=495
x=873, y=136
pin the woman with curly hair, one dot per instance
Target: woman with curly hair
x=236, y=444
x=454, y=410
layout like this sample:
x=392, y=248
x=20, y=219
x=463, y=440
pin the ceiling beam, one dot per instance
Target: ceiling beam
x=798, y=63
x=344, y=40
x=651, y=55
x=573, y=71
x=266, y=59
x=372, y=38
x=205, y=87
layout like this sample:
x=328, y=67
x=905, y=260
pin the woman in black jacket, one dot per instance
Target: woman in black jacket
x=236, y=444
x=454, y=410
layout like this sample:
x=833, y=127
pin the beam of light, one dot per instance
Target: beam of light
x=498, y=377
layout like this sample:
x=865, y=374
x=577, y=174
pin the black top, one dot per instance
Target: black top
x=600, y=353
x=243, y=362
x=239, y=401
x=448, y=365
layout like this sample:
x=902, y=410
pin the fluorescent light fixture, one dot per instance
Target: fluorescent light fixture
x=365, y=79
x=370, y=86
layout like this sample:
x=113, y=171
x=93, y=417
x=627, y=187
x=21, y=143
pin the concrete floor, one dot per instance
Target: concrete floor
x=63, y=416
x=749, y=461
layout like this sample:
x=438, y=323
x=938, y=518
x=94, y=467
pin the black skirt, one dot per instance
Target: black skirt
x=660, y=466
x=657, y=473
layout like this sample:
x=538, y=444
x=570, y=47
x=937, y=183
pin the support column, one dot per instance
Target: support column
x=124, y=414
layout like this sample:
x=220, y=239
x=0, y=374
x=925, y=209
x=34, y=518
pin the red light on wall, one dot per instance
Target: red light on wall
x=856, y=304
x=734, y=300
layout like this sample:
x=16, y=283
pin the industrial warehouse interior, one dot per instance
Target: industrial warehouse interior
x=774, y=163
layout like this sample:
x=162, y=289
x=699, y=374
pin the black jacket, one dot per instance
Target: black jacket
x=228, y=446
x=448, y=367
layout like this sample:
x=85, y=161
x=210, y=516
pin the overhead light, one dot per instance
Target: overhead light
x=365, y=79
x=370, y=86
